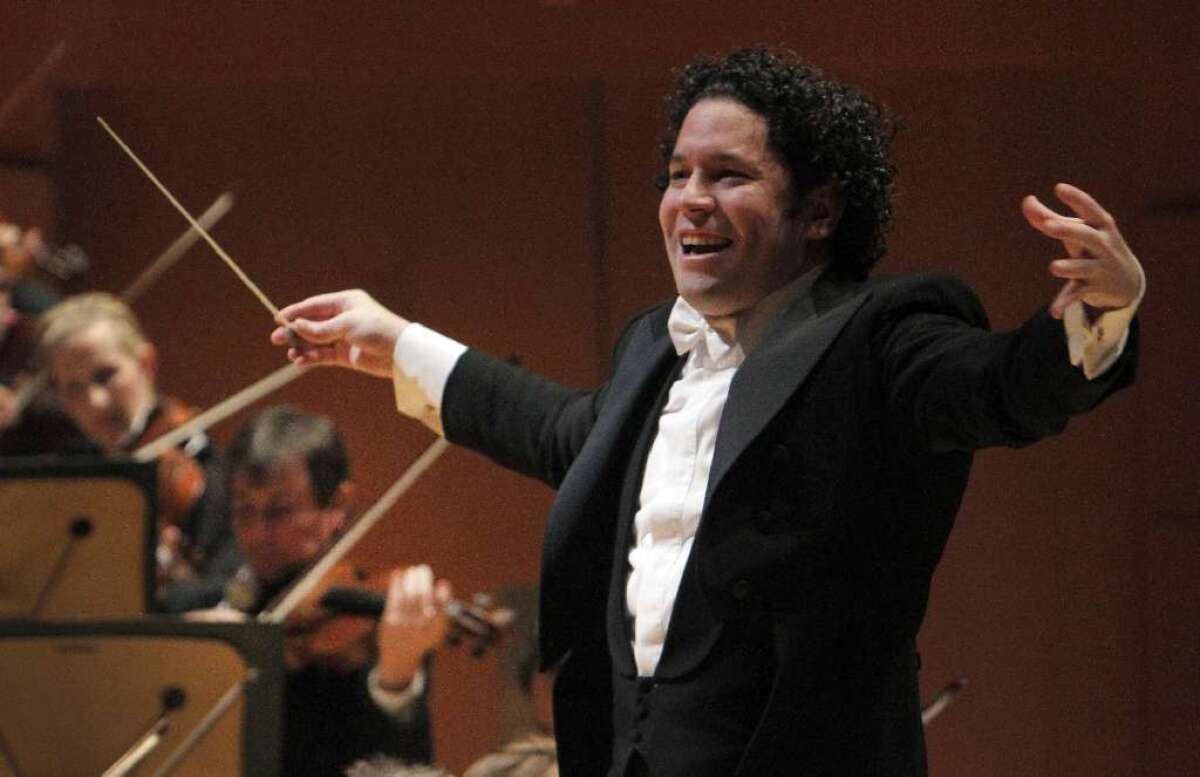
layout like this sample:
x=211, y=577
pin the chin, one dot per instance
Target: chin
x=711, y=304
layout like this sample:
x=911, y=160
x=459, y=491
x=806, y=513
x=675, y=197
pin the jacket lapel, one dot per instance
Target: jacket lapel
x=779, y=366
x=581, y=521
x=765, y=381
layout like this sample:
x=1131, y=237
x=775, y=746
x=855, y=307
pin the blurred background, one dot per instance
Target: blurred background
x=486, y=168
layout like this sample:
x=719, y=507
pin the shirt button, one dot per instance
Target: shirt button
x=765, y=520
x=636, y=737
x=780, y=455
x=742, y=589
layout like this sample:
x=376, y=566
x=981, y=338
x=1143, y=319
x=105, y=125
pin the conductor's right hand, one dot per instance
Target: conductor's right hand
x=343, y=329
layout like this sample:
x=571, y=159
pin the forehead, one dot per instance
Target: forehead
x=286, y=481
x=96, y=342
x=722, y=126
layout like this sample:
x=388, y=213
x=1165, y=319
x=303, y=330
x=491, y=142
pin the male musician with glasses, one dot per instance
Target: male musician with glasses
x=291, y=495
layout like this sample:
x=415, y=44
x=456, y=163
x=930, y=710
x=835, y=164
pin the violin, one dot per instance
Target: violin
x=181, y=484
x=24, y=253
x=333, y=628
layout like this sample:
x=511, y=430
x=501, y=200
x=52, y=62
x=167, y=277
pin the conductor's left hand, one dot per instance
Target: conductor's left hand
x=1100, y=270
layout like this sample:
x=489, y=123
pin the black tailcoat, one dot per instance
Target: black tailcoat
x=841, y=459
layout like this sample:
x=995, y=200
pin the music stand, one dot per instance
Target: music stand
x=79, y=695
x=79, y=537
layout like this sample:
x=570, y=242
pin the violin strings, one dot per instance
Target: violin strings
x=195, y=224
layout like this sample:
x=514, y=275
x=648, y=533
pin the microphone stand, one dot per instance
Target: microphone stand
x=80, y=528
x=206, y=724
x=10, y=759
x=173, y=698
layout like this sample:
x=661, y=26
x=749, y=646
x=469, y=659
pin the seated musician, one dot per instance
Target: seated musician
x=27, y=426
x=102, y=369
x=290, y=492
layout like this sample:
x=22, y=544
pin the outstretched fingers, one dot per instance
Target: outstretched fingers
x=1100, y=270
x=1084, y=205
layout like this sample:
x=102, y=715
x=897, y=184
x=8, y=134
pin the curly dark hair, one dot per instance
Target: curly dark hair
x=824, y=130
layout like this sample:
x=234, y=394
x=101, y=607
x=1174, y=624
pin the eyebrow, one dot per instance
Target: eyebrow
x=723, y=157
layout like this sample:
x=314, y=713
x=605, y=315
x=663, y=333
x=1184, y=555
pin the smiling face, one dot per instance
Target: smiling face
x=731, y=222
x=103, y=384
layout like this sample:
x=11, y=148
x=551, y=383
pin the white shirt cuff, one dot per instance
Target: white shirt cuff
x=421, y=363
x=396, y=703
x=1095, y=346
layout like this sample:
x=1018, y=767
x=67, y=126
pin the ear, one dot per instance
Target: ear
x=147, y=357
x=340, y=506
x=822, y=210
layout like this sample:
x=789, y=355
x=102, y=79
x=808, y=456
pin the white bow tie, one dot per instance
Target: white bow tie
x=690, y=331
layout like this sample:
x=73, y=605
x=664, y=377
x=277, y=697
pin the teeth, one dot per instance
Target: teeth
x=696, y=244
x=704, y=241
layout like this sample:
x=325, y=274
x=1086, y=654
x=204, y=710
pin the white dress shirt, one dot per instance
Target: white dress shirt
x=677, y=467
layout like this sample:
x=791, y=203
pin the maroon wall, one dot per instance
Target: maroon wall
x=488, y=171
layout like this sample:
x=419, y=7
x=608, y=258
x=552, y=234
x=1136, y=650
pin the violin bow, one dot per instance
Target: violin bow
x=25, y=393
x=220, y=411
x=943, y=699
x=167, y=259
x=40, y=73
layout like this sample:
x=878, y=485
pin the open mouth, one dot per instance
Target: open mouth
x=704, y=245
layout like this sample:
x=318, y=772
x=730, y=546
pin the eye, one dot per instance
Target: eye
x=103, y=375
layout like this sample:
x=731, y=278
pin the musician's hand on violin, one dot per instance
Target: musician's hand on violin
x=413, y=623
x=344, y=329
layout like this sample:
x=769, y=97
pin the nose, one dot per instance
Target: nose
x=696, y=199
x=97, y=397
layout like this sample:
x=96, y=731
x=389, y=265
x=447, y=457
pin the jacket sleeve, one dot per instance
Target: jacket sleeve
x=520, y=420
x=953, y=385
